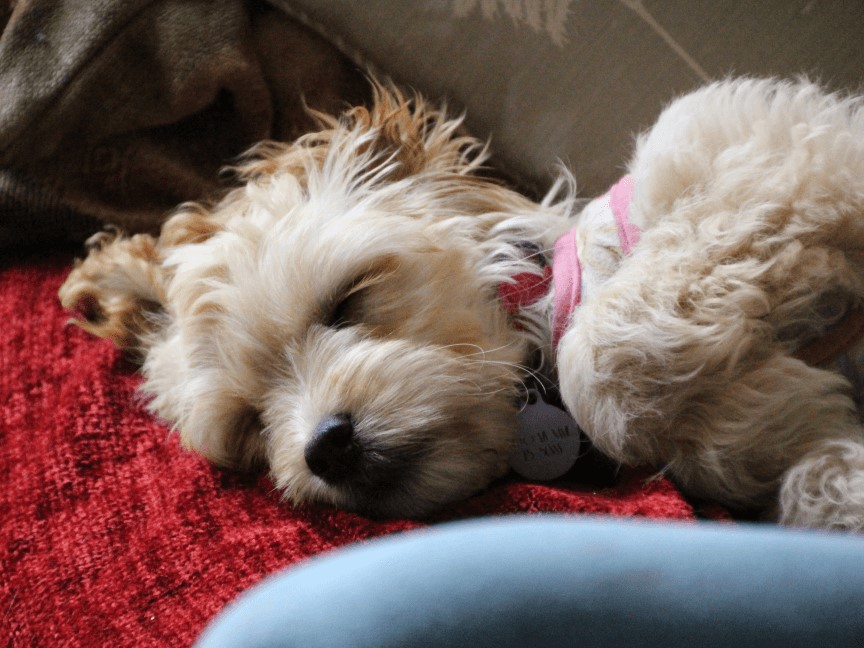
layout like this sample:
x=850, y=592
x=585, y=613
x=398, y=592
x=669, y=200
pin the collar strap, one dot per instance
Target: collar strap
x=566, y=271
x=566, y=265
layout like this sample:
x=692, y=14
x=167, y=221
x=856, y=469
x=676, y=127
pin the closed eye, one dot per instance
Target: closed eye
x=346, y=311
x=347, y=307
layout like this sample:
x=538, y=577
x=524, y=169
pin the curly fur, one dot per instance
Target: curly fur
x=356, y=270
x=750, y=195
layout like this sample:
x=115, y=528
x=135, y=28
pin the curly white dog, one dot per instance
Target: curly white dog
x=340, y=315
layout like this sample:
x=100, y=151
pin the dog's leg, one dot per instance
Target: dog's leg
x=781, y=426
x=118, y=289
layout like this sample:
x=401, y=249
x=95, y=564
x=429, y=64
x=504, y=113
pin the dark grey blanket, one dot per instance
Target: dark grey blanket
x=114, y=111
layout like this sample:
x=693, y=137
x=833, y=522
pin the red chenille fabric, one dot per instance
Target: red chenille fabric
x=114, y=535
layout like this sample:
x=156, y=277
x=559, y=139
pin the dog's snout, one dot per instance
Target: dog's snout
x=333, y=452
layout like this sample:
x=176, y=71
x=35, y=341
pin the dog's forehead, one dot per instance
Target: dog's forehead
x=322, y=248
x=281, y=263
x=290, y=274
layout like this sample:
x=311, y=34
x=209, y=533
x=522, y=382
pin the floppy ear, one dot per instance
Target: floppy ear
x=117, y=290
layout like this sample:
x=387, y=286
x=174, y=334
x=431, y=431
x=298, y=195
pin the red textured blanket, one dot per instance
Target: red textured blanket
x=113, y=535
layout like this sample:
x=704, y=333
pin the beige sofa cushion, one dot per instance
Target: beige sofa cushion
x=575, y=79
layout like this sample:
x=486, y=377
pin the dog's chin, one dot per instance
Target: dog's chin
x=407, y=496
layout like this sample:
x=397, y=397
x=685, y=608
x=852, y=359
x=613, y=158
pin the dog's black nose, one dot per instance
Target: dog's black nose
x=333, y=452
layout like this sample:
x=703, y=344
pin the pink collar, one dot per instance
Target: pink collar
x=566, y=271
x=566, y=266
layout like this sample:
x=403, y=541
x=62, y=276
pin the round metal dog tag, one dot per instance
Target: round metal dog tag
x=549, y=440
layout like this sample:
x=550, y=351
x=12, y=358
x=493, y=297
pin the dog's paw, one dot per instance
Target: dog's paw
x=115, y=290
x=826, y=488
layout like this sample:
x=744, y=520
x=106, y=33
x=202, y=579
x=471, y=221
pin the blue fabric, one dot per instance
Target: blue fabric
x=562, y=581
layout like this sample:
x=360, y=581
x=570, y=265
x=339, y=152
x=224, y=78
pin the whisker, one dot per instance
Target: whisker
x=533, y=373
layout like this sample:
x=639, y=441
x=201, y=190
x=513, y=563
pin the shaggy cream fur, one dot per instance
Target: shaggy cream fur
x=750, y=196
x=348, y=290
x=354, y=273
